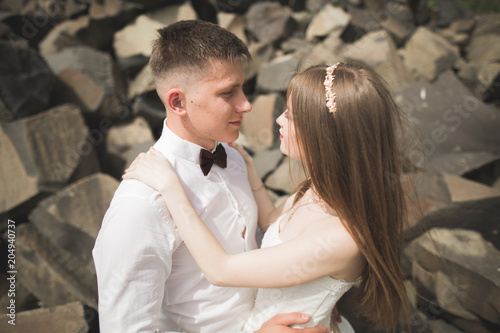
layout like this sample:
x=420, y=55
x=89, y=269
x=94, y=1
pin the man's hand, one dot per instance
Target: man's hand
x=280, y=322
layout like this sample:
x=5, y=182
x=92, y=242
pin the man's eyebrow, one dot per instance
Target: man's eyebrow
x=234, y=85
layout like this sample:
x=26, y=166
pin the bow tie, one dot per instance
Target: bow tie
x=207, y=159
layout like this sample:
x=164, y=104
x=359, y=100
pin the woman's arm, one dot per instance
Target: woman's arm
x=267, y=212
x=317, y=252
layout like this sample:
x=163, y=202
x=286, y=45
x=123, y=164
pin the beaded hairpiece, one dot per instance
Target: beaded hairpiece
x=330, y=94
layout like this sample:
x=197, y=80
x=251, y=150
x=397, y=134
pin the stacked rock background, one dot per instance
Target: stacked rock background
x=77, y=104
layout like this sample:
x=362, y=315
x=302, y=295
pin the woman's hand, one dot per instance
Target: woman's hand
x=152, y=169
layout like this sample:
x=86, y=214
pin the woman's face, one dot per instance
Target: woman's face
x=288, y=137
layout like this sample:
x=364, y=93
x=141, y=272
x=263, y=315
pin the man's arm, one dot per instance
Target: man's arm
x=132, y=256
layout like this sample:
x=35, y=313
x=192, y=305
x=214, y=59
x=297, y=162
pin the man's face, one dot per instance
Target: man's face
x=215, y=104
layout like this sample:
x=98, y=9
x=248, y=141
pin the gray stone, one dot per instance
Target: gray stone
x=378, y=50
x=450, y=11
x=483, y=52
x=64, y=35
x=286, y=177
x=441, y=326
x=17, y=184
x=484, y=49
x=234, y=23
x=302, y=20
x=375, y=5
x=325, y=53
x=428, y=54
x=269, y=21
x=486, y=173
x=259, y=126
x=4, y=30
x=51, y=145
x=142, y=83
x=71, y=218
x=463, y=26
x=83, y=89
x=456, y=38
x=231, y=6
x=398, y=30
x=96, y=66
x=487, y=24
x=460, y=270
x=50, y=273
x=363, y=21
x=23, y=297
x=396, y=17
x=71, y=317
x=296, y=45
x=149, y=106
x=267, y=160
x=137, y=148
x=11, y=6
x=275, y=76
x=110, y=9
x=314, y=6
x=136, y=38
x=450, y=201
x=457, y=131
x=422, y=12
x=261, y=53
x=121, y=139
x=330, y=18
x=26, y=82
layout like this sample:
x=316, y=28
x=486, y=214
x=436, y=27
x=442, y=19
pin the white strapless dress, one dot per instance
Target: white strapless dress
x=316, y=298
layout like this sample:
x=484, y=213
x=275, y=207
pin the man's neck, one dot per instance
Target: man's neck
x=184, y=134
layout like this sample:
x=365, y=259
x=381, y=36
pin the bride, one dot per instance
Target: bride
x=343, y=224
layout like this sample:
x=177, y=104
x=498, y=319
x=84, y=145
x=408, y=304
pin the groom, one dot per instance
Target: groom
x=148, y=281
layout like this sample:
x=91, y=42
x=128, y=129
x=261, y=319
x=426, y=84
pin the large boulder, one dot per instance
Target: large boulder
x=119, y=143
x=259, y=126
x=91, y=80
x=428, y=54
x=456, y=274
x=27, y=82
x=269, y=21
x=71, y=317
x=71, y=218
x=276, y=75
x=18, y=182
x=52, y=145
x=286, y=177
x=449, y=201
x=457, y=132
x=330, y=18
x=483, y=51
x=53, y=250
x=135, y=39
x=377, y=49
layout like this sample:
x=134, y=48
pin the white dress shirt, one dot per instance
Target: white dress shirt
x=147, y=278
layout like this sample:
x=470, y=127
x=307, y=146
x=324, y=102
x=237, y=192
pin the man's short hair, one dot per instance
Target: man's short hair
x=190, y=44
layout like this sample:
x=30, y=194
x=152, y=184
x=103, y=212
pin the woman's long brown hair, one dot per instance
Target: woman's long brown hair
x=353, y=163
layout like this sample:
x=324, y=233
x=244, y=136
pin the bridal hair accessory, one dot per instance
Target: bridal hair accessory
x=330, y=95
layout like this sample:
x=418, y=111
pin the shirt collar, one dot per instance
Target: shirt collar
x=170, y=142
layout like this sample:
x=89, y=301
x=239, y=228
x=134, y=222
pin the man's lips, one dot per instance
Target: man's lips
x=235, y=123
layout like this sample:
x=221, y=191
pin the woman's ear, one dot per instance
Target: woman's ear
x=176, y=101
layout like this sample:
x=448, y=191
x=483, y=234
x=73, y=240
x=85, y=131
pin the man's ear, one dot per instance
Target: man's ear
x=176, y=101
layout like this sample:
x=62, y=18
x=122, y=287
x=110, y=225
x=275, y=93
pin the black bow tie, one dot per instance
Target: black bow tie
x=207, y=159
